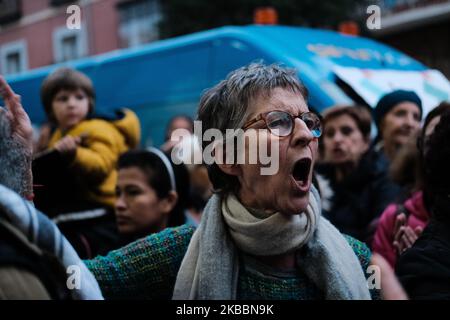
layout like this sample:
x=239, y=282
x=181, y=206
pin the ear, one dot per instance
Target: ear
x=167, y=204
x=226, y=166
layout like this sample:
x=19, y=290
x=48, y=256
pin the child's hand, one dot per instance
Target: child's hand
x=68, y=145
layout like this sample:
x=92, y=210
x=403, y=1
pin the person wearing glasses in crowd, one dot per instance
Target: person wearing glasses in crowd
x=261, y=236
x=354, y=187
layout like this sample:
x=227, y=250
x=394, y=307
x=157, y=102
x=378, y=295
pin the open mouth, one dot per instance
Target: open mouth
x=301, y=171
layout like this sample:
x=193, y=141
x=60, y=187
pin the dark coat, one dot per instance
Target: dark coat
x=360, y=198
x=26, y=271
x=424, y=269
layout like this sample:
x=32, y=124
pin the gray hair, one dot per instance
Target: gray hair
x=14, y=160
x=228, y=105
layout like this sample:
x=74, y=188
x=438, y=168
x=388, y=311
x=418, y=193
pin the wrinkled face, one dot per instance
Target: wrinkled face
x=70, y=107
x=287, y=190
x=400, y=123
x=343, y=141
x=138, y=208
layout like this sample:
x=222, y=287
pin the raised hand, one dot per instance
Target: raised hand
x=21, y=135
x=400, y=221
x=20, y=123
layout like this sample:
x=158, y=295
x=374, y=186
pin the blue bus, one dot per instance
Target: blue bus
x=166, y=78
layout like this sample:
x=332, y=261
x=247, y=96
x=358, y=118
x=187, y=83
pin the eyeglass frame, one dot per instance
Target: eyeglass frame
x=263, y=116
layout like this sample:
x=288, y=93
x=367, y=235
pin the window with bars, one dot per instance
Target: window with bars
x=13, y=57
x=69, y=44
x=10, y=10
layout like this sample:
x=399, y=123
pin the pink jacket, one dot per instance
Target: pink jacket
x=384, y=235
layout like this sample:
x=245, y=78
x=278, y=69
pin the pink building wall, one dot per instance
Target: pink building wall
x=39, y=20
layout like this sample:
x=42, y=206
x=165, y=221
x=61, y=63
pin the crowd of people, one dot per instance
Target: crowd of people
x=149, y=226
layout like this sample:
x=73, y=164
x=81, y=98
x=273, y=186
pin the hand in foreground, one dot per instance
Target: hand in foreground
x=21, y=130
x=391, y=288
x=404, y=236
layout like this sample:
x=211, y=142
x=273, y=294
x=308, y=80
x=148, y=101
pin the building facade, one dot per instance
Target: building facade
x=36, y=33
x=420, y=28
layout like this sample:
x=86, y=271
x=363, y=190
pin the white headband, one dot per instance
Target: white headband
x=167, y=163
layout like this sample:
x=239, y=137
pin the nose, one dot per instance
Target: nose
x=301, y=135
x=71, y=101
x=120, y=204
x=411, y=121
x=337, y=138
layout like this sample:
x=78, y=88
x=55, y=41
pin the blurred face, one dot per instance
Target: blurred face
x=343, y=141
x=399, y=124
x=180, y=123
x=286, y=191
x=70, y=108
x=138, y=209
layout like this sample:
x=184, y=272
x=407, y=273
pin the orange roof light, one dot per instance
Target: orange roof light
x=265, y=15
x=349, y=27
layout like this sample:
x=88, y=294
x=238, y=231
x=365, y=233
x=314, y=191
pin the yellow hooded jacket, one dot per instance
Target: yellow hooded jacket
x=96, y=158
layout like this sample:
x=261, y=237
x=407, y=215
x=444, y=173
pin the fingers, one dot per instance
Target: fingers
x=12, y=102
x=418, y=230
x=400, y=220
x=5, y=90
x=398, y=234
x=410, y=237
x=399, y=242
x=9, y=96
x=68, y=144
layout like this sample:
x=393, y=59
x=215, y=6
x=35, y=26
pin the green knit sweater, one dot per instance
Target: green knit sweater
x=147, y=269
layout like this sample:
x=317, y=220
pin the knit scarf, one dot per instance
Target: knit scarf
x=210, y=268
x=43, y=233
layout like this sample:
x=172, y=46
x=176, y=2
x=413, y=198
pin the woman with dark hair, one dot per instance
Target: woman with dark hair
x=359, y=188
x=147, y=188
x=401, y=223
x=424, y=269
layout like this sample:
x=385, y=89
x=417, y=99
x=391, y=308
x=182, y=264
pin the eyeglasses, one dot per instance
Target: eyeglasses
x=281, y=123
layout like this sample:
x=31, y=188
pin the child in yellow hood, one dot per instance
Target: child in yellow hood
x=91, y=145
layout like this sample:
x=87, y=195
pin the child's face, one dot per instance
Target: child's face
x=70, y=107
